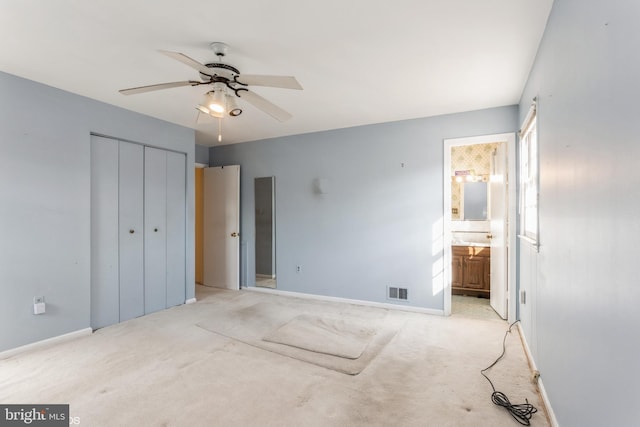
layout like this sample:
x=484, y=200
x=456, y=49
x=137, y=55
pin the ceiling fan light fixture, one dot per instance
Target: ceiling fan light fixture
x=205, y=110
x=215, y=101
x=232, y=106
x=226, y=83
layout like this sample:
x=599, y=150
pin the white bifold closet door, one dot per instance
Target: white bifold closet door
x=164, y=218
x=131, y=233
x=138, y=230
x=176, y=228
x=155, y=232
x=105, y=295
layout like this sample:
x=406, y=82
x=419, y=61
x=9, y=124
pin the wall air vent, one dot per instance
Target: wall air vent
x=397, y=293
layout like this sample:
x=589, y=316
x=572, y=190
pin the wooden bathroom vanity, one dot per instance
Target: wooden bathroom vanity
x=471, y=271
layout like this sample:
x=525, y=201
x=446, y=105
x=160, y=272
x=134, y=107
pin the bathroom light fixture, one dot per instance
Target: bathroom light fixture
x=468, y=175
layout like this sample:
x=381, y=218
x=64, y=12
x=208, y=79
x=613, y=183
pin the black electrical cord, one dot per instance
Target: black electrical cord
x=522, y=412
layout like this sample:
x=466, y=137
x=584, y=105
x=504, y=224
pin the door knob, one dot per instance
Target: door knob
x=234, y=234
x=489, y=236
x=155, y=229
x=131, y=231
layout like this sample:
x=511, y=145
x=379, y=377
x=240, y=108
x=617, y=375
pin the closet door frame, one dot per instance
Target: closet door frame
x=105, y=253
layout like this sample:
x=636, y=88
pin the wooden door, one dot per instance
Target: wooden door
x=222, y=227
x=456, y=271
x=487, y=273
x=474, y=272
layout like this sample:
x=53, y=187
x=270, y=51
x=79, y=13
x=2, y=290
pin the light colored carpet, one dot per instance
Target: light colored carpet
x=330, y=335
x=163, y=370
x=345, y=337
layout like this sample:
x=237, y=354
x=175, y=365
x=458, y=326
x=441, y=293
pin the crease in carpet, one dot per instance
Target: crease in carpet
x=327, y=337
x=339, y=337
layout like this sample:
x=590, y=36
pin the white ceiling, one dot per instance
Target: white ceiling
x=359, y=61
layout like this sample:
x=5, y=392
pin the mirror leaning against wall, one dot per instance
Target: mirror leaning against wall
x=265, y=243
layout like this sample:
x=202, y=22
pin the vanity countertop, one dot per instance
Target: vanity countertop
x=482, y=245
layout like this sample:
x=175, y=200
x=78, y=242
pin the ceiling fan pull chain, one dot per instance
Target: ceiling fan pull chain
x=219, y=129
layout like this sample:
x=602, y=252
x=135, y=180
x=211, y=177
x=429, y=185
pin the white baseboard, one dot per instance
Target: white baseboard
x=45, y=343
x=347, y=300
x=543, y=392
x=190, y=301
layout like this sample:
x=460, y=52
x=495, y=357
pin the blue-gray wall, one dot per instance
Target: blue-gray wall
x=45, y=202
x=582, y=312
x=202, y=154
x=381, y=217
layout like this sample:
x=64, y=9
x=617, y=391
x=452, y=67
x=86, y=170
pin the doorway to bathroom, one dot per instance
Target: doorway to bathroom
x=479, y=218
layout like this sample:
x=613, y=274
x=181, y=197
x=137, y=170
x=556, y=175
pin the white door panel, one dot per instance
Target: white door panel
x=155, y=232
x=104, y=232
x=498, y=195
x=222, y=227
x=131, y=233
x=176, y=220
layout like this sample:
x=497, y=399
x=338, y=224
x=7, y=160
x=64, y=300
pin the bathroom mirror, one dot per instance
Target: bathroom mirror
x=475, y=201
x=265, y=244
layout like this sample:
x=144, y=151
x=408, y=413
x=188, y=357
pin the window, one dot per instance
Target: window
x=529, y=178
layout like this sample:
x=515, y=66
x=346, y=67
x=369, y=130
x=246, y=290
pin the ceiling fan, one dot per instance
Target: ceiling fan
x=227, y=84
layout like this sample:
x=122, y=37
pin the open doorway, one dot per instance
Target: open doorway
x=479, y=235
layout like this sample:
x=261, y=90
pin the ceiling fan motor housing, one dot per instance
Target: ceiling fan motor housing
x=223, y=69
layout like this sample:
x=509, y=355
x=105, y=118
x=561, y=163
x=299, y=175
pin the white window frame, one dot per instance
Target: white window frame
x=529, y=179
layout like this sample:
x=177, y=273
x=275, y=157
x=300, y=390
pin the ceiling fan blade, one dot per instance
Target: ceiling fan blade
x=264, y=105
x=143, y=89
x=284, y=82
x=188, y=61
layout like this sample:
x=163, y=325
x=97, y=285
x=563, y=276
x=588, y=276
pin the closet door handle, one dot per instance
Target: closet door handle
x=131, y=231
x=155, y=229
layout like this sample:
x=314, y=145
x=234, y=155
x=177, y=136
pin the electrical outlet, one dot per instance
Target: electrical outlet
x=535, y=376
x=39, y=306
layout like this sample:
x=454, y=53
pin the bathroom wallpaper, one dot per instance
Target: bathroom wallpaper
x=466, y=157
